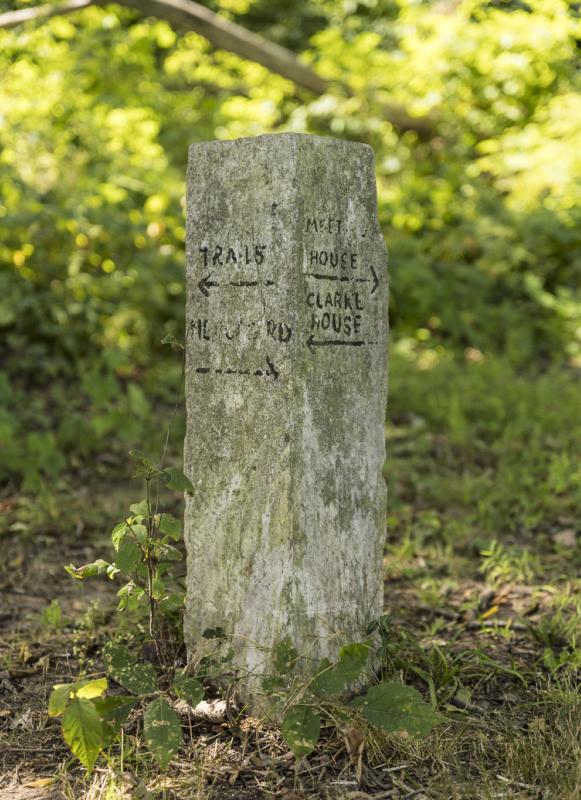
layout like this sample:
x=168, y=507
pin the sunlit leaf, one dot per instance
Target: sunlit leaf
x=83, y=730
x=99, y=567
x=90, y=689
x=62, y=693
x=140, y=509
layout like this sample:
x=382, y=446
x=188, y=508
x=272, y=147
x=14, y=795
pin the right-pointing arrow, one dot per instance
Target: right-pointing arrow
x=375, y=278
x=324, y=277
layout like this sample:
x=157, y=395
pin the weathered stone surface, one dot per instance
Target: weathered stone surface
x=286, y=392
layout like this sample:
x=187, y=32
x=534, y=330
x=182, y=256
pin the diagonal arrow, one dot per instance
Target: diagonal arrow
x=205, y=284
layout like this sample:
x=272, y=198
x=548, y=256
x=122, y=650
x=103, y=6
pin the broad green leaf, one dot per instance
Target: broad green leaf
x=175, y=479
x=189, y=689
x=128, y=556
x=63, y=692
x=98, y=567
x=159, y=589
x=167, y=552
x=60, y=696
x=139, y=533
x=395, y=707
x=90, y=689
x=163, y=733
x=135, y=532
x=352, y=661
x=113, y=712
x=272, y=683
x=83, y=730
x=170, y=526
x=139, y=678
x=118, y=534
x=301, y=729
x=140, y=509
x=285, y=656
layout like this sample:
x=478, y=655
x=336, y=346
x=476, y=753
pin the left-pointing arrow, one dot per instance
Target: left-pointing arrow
x=205, y=284
x=312, y=342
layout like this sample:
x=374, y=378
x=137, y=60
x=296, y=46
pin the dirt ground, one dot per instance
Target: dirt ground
x=481, y=637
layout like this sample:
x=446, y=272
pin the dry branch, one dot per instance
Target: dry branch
x=227, y=35
x=13, y=18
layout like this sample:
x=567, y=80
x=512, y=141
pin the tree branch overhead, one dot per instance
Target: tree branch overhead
x=224, y=35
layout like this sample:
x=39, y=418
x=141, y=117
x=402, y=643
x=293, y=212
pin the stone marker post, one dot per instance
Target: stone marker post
x=286, y=381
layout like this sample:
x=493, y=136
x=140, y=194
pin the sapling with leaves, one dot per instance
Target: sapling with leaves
x=91, y=721
x=144, y=540
x=307, y=704
x=144, y=544
x=328, y=698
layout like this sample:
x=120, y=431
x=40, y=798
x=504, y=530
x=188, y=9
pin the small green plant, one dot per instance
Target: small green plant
x=92, y=721
x=559, y=631
x=144, y=540
x=144, y=545
x=503, y=565
x=323, y=699
x=52, y=616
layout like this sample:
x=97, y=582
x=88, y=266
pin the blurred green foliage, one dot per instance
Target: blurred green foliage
x=471, y=107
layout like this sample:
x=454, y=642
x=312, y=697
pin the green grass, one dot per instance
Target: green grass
x=482, y=593
x=478, y=453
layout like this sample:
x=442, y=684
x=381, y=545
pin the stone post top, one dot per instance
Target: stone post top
x=303, y=138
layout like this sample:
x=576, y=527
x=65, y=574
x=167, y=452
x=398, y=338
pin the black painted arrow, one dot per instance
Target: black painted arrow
x=205, y=284
x=345, y=278
x=271, y=371
x=312, y=342
x=375, y=279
